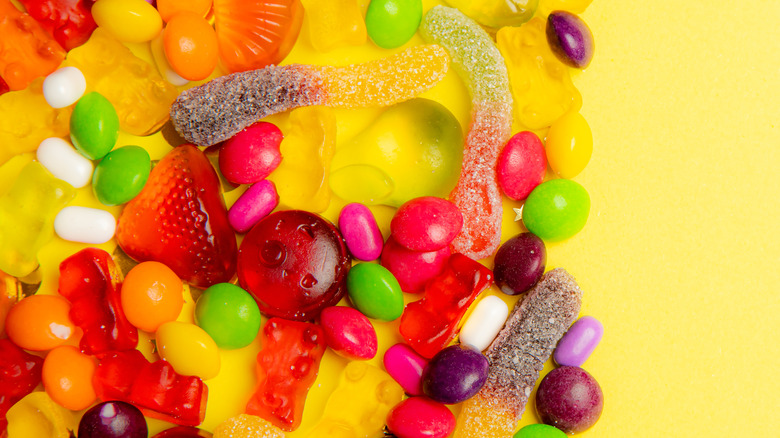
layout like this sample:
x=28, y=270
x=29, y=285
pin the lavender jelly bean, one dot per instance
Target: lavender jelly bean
x=348, y=332
x=255, y=203
x=578, y=343
x=360, y=231
x=427, y=223
x=455, y=374
x=413, y=269
x=420, y=417
x=405, y=366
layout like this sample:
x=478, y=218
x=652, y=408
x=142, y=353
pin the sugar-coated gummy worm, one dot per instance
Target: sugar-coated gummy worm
x=481, y=67
x=218, y=109
x=518, y=354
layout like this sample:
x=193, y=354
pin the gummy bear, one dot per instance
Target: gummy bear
x=26, y=50
x=302, y=177
x=39, y=416
x=27, y=213
x=412, y=149
x=497, y=13
x=68, y=21
x=139, y=94
x=91, y=281
x=20, y=373
x=334, y=24
x=359, y=405
x=541, y=84
x=286, y=368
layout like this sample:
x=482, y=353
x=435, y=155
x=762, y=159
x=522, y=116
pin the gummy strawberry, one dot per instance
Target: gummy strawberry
x=179, y=219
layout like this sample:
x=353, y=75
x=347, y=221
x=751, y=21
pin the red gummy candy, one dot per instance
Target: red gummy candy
x=20, y=373
x=68, y=21
x=91, y=281
x=430, y=323
x=286, y=368
x=180, y=219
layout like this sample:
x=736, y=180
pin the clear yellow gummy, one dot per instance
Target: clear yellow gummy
x=334, y=24
x=541, y=84
x=573, y=6
x=244, y=425
x=497, y=13
x=27, y=214
x=37, y=415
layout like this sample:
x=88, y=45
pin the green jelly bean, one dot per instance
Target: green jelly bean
x=121, y=175
x=556, y=209
x=375, y=292
x=539, y=431
x=94, y=126
x=229, y=315
x=391, y=23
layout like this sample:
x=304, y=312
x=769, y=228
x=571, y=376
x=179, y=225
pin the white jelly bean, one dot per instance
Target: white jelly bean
x=64, y=162
x=484, y=323
x=85, y=225
x=64, y=87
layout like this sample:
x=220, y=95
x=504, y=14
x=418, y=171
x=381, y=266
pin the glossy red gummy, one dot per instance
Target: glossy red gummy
x=20, y=373
x=68, y=21
x=348, y=332
x=521, y=165
x=420, y=417
x=427, y=223
x=252, y=154
x=570, y=399
x=294, y=263
x=179, y=219
x=413, y=269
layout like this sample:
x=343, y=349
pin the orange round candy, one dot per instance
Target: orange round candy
x=67, y=377
x=151, y=295
x=169, y=8
x=40, y=322
x=190, y=45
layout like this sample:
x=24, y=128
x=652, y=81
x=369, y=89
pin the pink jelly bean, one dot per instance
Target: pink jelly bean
x=252, y=154
x=521, y=165
x=413, y=269
x=254, y=204
x=405, y=366
x=427, y=223
x=420, y=417
x=360, y=231
x=349, y=332
x=578, y=342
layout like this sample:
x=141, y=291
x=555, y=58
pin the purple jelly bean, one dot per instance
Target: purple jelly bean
x=570, y=39
x=420, y=417
x=348, y=332
x=455, y=374
x=578, y=343
x=519, y=263
x=406, y=367
x=426, y=224
x=413, y=269
x=254, y=204
x=360, y=231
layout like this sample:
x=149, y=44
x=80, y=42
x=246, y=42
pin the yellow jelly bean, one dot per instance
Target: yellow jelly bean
x=569, y=145
x=131, y=21
x=573, y=6
x=541, y=84
x=189, y=349
x=334, y=24
x=37, y=415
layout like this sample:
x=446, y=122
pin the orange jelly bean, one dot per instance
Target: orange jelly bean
x=40, y=322
x=190, y=45
x=169, y=8
x=151, y=295
x=67, y=377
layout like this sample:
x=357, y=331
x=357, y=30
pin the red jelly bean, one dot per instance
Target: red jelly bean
x=426, y=224
x=20, y=373
x=294, y=263
x=252, y=154
x=521, y=165
x=349, y=332
x=413, y=269
x=420, y=417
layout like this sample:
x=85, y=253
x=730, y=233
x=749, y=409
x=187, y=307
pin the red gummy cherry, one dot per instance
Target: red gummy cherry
x=294, y=263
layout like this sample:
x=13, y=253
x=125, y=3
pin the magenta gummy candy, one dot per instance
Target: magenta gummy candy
x=252, y=154
x=420, y=417
x=578, y=342
x=360, y=231
x=257, y=202
x=406, y=367
x=348, y=332
x=413, y=269
x=426, y=224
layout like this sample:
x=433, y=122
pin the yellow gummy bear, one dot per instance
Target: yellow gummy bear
x=497, y=13
x=334, y=24
x=573, y=6
x=360, y=404
x=307, y=149
x=141, y=97
x=27, y=214
x=541, y=84
x=37, y=415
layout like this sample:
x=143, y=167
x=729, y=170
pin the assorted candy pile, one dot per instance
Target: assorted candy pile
x=295, y=263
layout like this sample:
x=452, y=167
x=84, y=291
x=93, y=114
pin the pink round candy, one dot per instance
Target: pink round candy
x=348, y=332
x=578, y=343
x=413, y=269
x=252, y=154
x=521, y=165
x=255, y=203
x=427, y=223
x=360, y=231
x=420, y=417
x=405, y=366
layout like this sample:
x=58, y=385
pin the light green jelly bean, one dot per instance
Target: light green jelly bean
x=539, y=431
x=375, y=292
x=391, y=23
x=556, y=209
x=121, y=174
x=229, y=315
x=94, y=126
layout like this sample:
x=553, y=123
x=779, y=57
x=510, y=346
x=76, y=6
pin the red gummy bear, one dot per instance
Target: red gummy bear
x=91, y=282
x=154, y=387
x=68, y=21
x=430, y=323
x=179, y=219
x=286, y=368
x=20, y=373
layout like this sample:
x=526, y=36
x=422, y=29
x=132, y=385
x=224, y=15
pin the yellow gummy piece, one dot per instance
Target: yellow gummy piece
x=359, y=406
x=497, y=13
x=541, y=84
x=307, y=149
x=27, y=214
x=573, y=6
x=36, y=415
x=245, y=425
x=334, y=24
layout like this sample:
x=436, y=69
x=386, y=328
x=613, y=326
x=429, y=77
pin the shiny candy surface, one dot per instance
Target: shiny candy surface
x=37, y=415
x=67, y=377
x=454, y=374
x=570, y=39
x=257, y=202
x=405, y=366
x=375, y=292
x=556, y=209
x=84, y=225
x=569, y=145
x=579, y=342
x=64, y=87
x=426, y=224
x=190, y=46
x=62, y=160
x=413, y=269
x=484, y=322
x=169, y=8
x=94, y=126
x=539, y=431
x=521, y=165
x=519, y=263
x=334, y=24
x=391, y=23
x=497, y=13
x=229, y=315
x=189, y=349
x=151, y=295
x=20, y=373
x=131, y=21
x=121, y=175
x=113, y=419
x=570, y=399
x=252, y=154
x=247, y=425
x=361, y=232
x=420, y=417
x=348, y=332
x=40, y=322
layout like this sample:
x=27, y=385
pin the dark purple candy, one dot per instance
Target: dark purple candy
x=455, y=374
x=519, y=263
x=570, y=399
x=570, y=39
x=113, y=419
x=183, y=432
